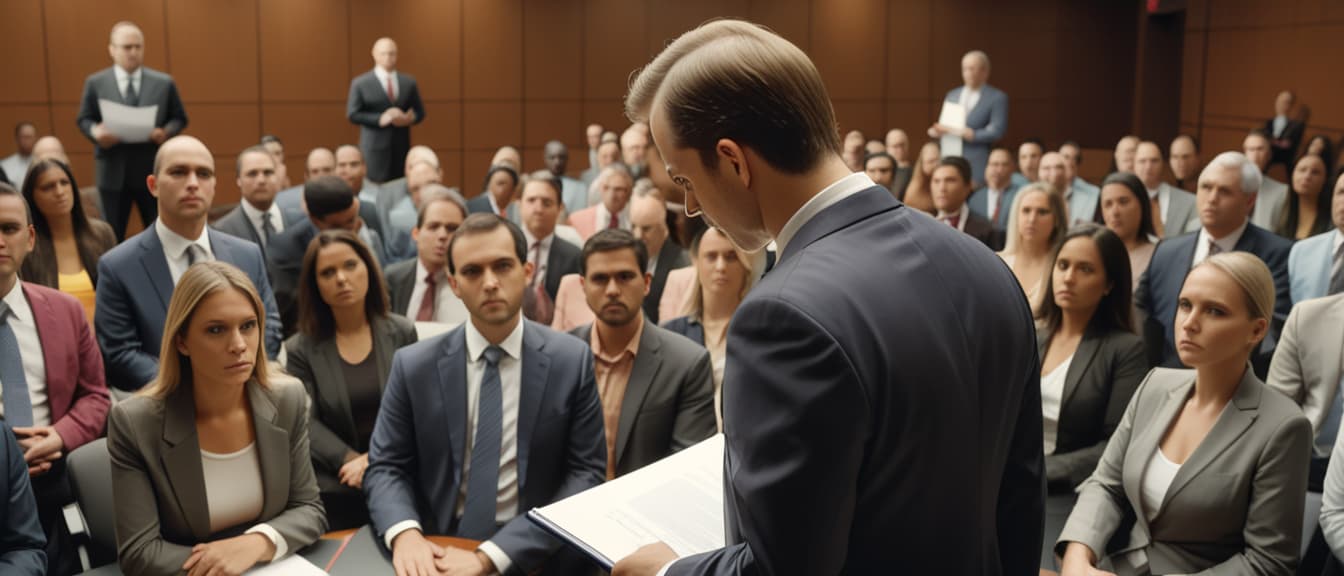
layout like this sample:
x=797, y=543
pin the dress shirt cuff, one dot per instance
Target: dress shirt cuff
x=497, y=556
x=397, y=529
x=265, y=530
x=666, y=567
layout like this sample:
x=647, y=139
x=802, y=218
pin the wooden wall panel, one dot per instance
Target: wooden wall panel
x=849, y=47
x=907, y=44
x=21, y=34
x=216, y=62
x=553, y=49
x=307, y=126
x=77, y=33
x=614, y=44
x=12, y=114
x=668, y=19
x=546, y=121
x=442, y=128
x=305, y=46
x=788, y=18
x=493, y=67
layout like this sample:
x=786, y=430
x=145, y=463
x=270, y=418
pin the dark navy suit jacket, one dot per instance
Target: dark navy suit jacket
x=871, y=431
x=22, y=544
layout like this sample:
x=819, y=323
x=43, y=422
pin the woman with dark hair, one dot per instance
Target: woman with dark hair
x=69, y=244
x=497, y=194
x=342, y=353
x=1307, y=208
x=1320, y=145
x=1128, y=212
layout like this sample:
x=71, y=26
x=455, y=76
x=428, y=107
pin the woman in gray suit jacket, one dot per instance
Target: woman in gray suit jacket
x=342, y=353
x=210, y=467
x=1208, y=467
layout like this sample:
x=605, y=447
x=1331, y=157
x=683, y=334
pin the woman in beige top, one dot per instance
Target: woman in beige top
x=1129, y=213
x=1036, y=224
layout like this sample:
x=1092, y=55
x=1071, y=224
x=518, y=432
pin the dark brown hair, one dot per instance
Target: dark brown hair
x=315, y=317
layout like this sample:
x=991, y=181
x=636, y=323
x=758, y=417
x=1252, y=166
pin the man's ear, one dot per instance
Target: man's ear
x=733, y=157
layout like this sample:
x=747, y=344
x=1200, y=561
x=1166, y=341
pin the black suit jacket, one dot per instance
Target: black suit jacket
x=384, y=147
x=981, y=229
x=113, y=165
x=22, y=543
x=670, y=257
x=400, y=284
x=1292, y=133
x=1107, y=368
x=867, y=433
x=564, y=259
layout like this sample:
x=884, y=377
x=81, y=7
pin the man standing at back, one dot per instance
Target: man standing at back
x=120, y=167
x=385, y=104
x=862, y=432
x=986, y=110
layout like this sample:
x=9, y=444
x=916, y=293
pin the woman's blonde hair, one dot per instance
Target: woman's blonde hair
x=1058, y=206
x=1254, y=278
x=694, y=305
x=198, y=282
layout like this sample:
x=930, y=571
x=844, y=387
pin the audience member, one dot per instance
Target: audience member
x=593, y=135
x=120, y=167
x=1125, y=150
x=1322, y=146
x=853, y=150
x=950, y=186
x=497, y=194
x=1273, y=196
x=276, y=149
x=22, y=545
x=1028, y=162
x=873, y=147
x=507, y=156
x=917, y=194
x=635, y=148
x=881, y=168
x=1226, y=196
x=1171, y=210
x=1284, y=132
x=350, y=167
x=92, y=201
x=385, y=104
x=1316, y=264
x=1082, y=206
x=397, y=199
x=257, y=218
x=50, y=147
x=550, y=256
x=52, y=389
x=656, y=387
x=1082, y=196
x=898, y=146
x=985, y=124
x=1185, y=162
x=320, y=162
x=616, y=184
x=993, y=200
x=136, y=279
x=1306, y=210
x=1128, y=213
x=342, y=354
x=608, y=153
x=493, y=456
x=68, y=244
x=720, y=279
x=1308, y=363
x=419, y=287
x=1208, y=463
x=211, y=469
x=648, y=219
x=15, y=166
x=575, y=193
x=1036, y=225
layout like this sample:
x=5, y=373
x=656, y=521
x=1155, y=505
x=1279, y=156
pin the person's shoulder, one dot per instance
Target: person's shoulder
x=1119, y=339
x=101, y=74
x=138, y=412
x=675, y=344
x=237, y=247
x=54, y=297
x=400, y=269
x=399, y=324
x=127, y=250
x=1277, y=409
x=102, y=231
x=1268, y=242
x=556, y=343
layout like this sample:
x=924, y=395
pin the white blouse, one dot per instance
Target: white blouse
x=233, y=488
x=1052, y=399
x=1156, y=479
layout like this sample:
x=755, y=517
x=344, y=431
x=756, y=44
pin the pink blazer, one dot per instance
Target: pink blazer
x=76, y=388
x=675, y=292
x=571, y=307
x=585, y=222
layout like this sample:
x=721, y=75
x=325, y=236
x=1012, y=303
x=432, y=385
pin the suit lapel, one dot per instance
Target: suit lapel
x=536, y=372
x=383, y=348
x=49, y=330
x=181, y=459
x=1146, y=439
x=647, y=363
x=272, y=451
x=326, y=359
x=1082, y=360
x=155, y=262
x=1236, y=418
x=452, y=370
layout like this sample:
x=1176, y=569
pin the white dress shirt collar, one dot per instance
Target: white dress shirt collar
x=123, y=75
x=604, y=217
x=18, y=303
x=175, y=246
x=960, y=214
x=440, y=277
x=1226, y=244
x=254, y=216
x=829, y=196
x=512, y=344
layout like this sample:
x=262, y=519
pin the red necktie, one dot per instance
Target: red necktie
x=615, y=222
x=426, y=312
x=994, y=214
x=953, y=220
x=391, y=90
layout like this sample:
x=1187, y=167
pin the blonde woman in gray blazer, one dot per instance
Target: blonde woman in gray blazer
x=1207, y=472
x=211, y=471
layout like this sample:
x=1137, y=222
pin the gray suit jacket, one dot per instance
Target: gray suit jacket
x=400, y=284
x=112, y=165
x=669, y=399
x=1235, y=506
x=1106, y=369
x=236, y=224
x=159, y=488
x=1309, y=359
x=1182, y=216
x=670, y=257
x=317, y=363
x=1269, y=204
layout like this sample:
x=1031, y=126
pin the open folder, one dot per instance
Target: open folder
x=678, y=500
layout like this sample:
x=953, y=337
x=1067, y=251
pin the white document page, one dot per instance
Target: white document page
x=292, y=565
x=678, y=500
x=952, y=116
x=131, y=124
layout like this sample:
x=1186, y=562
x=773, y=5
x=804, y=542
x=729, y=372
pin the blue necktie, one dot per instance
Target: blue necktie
x=478, y=516
x=13, y=382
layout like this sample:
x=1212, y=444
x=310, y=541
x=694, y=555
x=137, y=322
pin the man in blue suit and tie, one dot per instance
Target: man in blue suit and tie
x=986, y=113
x=483, y=423
x=994, y=200
x=1316, y=264
x=863, y=433
x=136, y=279
x=1083, y=202
x=1225, y=199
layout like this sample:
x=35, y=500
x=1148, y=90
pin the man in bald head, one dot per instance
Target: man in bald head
x=121, y=161
x=385, y=103
x=136, y=279
x=397, y=202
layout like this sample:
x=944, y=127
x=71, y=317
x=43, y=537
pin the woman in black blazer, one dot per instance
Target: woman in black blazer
x=1091, y=361
x=342, y=353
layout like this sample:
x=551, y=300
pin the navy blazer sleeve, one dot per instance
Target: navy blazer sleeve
x=273, y=328
x=998, y=120
x=389, y=481
x=128, y=365
x=22, y=544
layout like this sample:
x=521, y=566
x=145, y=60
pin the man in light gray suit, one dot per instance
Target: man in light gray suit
x=1273, y=194
x=1307, y=366
x=121, y=167
x=657, y=387
x=257, y=218
x=986, y=114
x=1174, y=211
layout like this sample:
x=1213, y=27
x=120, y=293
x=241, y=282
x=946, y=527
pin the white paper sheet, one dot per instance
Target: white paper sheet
x=131, y=124
x=678, y=500
x=292, y=565
x=953, y=115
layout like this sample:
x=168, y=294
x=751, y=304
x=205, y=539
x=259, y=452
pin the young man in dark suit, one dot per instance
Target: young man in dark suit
x=950, y=186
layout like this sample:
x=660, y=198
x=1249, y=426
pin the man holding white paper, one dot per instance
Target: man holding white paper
x=123, y=153
x=974, y=116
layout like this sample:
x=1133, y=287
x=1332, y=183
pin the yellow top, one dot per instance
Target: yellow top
x=80, y=286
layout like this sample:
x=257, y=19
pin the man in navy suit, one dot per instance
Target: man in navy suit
x=120, y=167
x=385, y=104
x=22, y=544
x=986, y=113
x=483, y=423
x=994, y=200
x=1225, y=199
x=862, y=431
x=136, y=279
